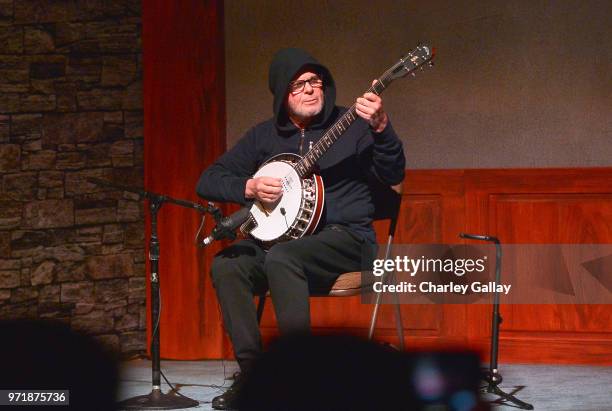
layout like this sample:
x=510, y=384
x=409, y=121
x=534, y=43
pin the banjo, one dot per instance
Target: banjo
x=298, y=211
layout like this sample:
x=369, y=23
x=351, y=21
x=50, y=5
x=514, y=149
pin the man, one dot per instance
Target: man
x=304, y=107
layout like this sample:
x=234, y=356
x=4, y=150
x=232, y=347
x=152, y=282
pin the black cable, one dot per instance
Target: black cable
x=284, y=213
x=173, y=389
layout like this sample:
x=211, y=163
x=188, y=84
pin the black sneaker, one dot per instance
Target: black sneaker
x=227, y=400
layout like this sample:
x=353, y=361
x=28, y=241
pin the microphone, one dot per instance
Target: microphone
x=479, y=237
x=226, y=227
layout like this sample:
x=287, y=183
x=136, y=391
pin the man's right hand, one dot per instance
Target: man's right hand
x=265, y=189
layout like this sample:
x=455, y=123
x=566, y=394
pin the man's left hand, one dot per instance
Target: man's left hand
x=370, y=108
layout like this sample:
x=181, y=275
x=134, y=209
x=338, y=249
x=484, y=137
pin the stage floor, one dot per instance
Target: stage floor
x=547, y=387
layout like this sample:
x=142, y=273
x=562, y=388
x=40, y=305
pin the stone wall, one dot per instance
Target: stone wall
x=71, y=108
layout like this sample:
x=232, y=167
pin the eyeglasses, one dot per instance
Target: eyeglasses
x=296, y=87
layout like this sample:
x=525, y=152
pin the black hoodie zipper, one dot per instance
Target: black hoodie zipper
x=302, y=133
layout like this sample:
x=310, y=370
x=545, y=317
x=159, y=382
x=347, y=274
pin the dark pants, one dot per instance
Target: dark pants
x=291, y=270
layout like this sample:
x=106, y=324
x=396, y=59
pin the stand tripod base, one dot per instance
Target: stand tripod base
x=494, y=389
x=493, y=378
x=157, y=400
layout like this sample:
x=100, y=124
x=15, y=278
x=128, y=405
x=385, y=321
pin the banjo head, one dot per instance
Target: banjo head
x=273, y=221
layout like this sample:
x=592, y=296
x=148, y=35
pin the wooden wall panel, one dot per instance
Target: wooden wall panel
x=184, y=122
x=431, y=212
x=544, y=206
x=420, y=219
x=555, y=218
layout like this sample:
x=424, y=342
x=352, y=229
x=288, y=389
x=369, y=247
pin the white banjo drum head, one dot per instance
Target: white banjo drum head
x=276, y=219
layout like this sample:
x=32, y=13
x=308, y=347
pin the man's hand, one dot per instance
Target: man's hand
x=370, y=108
x=265, y=189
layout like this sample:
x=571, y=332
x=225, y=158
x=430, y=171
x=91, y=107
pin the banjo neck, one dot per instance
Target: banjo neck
x=408, y=64
x=306, y=165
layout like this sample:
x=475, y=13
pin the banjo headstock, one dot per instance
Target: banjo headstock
x=419, y=58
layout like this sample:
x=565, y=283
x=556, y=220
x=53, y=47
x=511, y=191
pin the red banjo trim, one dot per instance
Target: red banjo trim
x=318, y=210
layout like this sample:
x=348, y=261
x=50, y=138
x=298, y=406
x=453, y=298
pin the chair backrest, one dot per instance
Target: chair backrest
x=387, y=202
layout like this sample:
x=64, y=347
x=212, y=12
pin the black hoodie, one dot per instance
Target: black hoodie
x=344, y=167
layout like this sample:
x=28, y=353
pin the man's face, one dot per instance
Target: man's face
x=309, y=102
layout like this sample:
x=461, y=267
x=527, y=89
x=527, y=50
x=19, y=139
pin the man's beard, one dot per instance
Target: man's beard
x=307, y=113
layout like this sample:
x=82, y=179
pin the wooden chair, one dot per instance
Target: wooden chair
x=387, y=200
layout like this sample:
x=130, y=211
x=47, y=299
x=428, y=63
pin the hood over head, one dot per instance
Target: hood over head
x=285, y=65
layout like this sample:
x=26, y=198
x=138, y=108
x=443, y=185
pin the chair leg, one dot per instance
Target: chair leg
x=260, y=307
x=374, y=316
x=398, y=317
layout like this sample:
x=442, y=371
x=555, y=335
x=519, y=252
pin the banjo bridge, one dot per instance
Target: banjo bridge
x=262, y=208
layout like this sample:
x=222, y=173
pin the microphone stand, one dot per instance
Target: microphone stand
x=492, y=375
x=156, y=399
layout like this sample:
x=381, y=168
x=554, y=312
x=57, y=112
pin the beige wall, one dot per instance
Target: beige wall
x=516, y=83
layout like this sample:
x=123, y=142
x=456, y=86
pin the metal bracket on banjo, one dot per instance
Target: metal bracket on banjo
x=249, y=225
